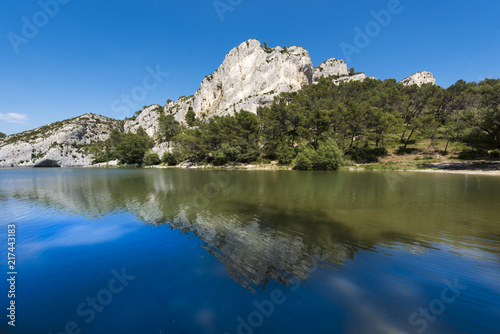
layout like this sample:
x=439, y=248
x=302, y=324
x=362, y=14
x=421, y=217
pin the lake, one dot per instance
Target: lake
x=241, y=251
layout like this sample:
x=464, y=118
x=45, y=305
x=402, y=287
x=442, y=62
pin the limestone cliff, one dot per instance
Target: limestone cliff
x=147, y=119
x=419, y=78
x=354, y=77
x=62, y=143
x=249, y=77
x=331, y=67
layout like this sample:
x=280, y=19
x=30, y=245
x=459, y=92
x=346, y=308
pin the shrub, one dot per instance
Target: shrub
x=219, y=158
x=366, y=155
x=328, y=156
x=303, y=161
x=402, y=150
x=190, y=118
x=131, y=147
x=285, y=154
x=151, y=158
x=169, y=159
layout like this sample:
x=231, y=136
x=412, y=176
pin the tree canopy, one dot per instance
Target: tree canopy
x=323, y=124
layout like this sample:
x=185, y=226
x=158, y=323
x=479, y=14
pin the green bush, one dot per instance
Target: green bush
x=219, y=158
x=190, y=118
x=366, y=155
x=151, y=158
x=303, y=161
x=169, y=159
x=132, y=147
x=285, y=154
x=328, y=156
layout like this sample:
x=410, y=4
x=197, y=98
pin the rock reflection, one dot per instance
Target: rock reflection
x=254, y=252
x=267, y=225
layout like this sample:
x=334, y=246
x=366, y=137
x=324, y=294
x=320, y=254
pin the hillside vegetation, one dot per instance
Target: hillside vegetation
x=324, y=124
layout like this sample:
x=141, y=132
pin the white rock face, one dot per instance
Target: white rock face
x=419, y=78
x=249, y=77
x=148, y=119
x=355, y=77
x=62, y=143
x=330, y=67
x=162, y=148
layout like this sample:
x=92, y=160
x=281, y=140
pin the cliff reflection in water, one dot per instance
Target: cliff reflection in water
x=254, y=251
x=271, y=225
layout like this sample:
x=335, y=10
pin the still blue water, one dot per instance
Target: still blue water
x=183, y=251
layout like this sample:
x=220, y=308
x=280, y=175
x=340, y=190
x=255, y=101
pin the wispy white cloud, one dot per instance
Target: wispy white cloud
x=12, y=117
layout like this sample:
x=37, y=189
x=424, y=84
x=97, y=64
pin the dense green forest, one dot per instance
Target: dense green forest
x=324, y=125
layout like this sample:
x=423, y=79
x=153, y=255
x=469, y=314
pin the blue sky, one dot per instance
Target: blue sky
x=85, y=55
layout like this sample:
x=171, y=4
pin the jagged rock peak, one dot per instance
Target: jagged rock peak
x=419, y=78
x=249, y=77
x=330, y=67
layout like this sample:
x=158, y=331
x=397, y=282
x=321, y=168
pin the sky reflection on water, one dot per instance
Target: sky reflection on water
x=349, y=252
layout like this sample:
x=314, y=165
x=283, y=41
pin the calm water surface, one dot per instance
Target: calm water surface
x=189, y=251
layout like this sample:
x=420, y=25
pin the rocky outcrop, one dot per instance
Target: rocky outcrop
x=63, y=144
x=331, y=67
x=147, y=119
x=354, y=77
x=250, y=76
x=337, y=69
x=419, y=78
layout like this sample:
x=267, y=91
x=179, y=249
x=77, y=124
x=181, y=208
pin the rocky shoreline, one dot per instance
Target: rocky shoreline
x=470, y=168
